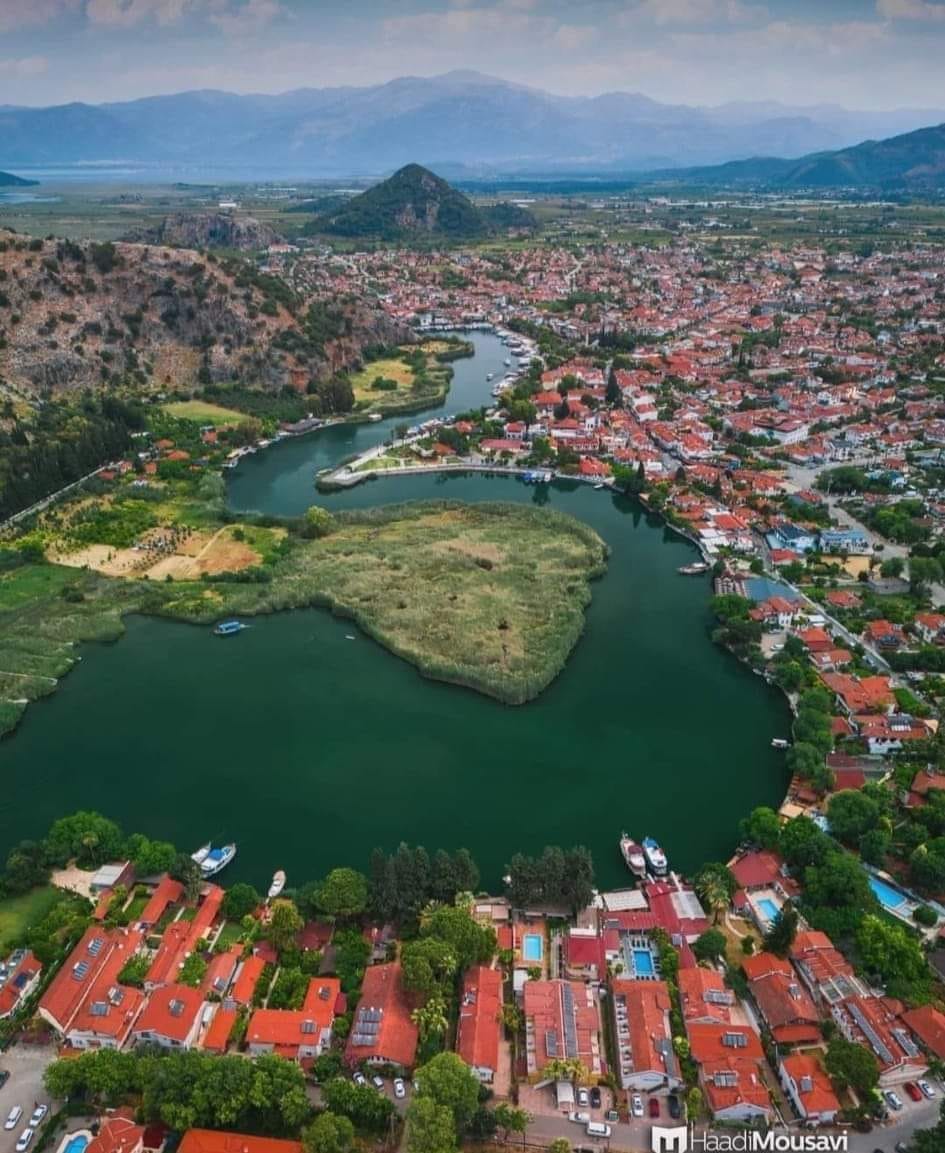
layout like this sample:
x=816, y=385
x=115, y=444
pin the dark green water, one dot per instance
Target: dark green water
x=309, y=749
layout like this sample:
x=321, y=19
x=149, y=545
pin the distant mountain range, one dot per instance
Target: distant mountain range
x=912, y=161
x=414, y=203
x=463, y=124
x=8, y=180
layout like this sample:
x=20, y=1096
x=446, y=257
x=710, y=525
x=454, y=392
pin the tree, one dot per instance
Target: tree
x=430, y=1127
x=512, y=1120
x=923, y=571
x=150, y=858
x=762, y=827
x=240, y=900
x=344, y=893
x=851, y=1066
x=927, y=865
x=367, y=1108
x=431, y=1019
x=471, y=943
x=449, y=1081
x=87, y=836
x=427, y=965
x=852, y=813
x=318, y=521
x=560, y=1145
x=780, y=934
x=186, y=870
x=715, y=886
x=892, y=567
x=710, y=946
x=890, y=951
x=328, y=1134
x=613, y=396
x=26, y=867
x=285, y=924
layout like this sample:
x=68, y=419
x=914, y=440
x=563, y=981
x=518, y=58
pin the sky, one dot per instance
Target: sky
x=869, y=54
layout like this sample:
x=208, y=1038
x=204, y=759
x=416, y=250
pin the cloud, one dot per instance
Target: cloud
x=24, y=66
x=247, y=18
x=696, y=12
x=923, y=10
x=128, y=13
x=22, y=13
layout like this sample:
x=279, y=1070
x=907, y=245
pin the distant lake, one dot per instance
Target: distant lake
x=309, y=749
x=27, y=198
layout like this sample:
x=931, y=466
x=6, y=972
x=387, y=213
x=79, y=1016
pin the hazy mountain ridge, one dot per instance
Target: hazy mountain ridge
x=461, y=118
x=8, y=180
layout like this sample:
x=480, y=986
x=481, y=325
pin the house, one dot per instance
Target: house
x=861, y=694
x=849, y=540
x=758, y=870
x=109, y=1010
x=784, y=1004
x=928, y=1024
x=704, y=996
x=645, y=1053
x=297, y=1033
x=217, y=1037
x=478, y=1034
x=70, y=987
x=790, y=536
x=884, y=634
x=877, y=1024
x=168, y=892
x=562, y=1020
x=118, y=1133
x=825, y=971
x=930, y=627
x=807, y=1085
x=220, y=1141
x=885, y=734
x=23, y=972
x=244, y=986
x=111, y=876
x=382, y=1032
x=584, y=955
x=171, y=1019
x=730, y=1060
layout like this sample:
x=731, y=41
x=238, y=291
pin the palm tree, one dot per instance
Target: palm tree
x=431, y=1019
x=714, y=890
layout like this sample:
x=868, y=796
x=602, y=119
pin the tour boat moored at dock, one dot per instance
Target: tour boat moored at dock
x=693, y=569
x=278, y=884
x=633, y=856
x=211, y=860
x=655, y=857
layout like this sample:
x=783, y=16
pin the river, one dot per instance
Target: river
x=309, y=749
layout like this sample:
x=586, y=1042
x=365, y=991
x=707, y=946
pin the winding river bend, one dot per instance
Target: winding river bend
x=309, y=749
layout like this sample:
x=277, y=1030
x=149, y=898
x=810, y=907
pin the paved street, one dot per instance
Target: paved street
x=25, y=1064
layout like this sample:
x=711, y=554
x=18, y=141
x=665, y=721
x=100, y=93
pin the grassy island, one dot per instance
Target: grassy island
x=491, y=596
x=408, y=379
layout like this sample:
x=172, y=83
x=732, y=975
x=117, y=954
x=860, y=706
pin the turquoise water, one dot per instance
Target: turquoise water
x=77, y=1143
x=768, y=908
x=887, y=896
x=532, y=947
x=643, y=963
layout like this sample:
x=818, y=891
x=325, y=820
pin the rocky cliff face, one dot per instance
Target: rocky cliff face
x=210, y=230
x=75, y=316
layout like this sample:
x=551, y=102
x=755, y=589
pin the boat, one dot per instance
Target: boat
x=278, y=884
x=601, y=485
x=228, y=628
x=693, y=569
x=375, y=416
x=779, y=743
x=655, y=857
x=490, y=375
x=508, y=364
x=213, y=861
x=633, y=856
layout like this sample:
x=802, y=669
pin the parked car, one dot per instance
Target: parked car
x=358, y=1078
x=400, y=1089
x=654, y=1106
x=580, y=1118
x=675, y=1109
x=583, y=1098
x=24, y=1142
x=4, y=1077
x=913, y=1090
x=893, y=1100
x=927, y=1089
x=38, y=1114
x=595, y=1098
x=636, y=1106
x=377, y=1082
x=13, y=1117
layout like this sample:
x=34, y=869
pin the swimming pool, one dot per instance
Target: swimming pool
x=769, y=910
x=643, y=962
x=77, y=1143
x=532, y=947
x=887, y=896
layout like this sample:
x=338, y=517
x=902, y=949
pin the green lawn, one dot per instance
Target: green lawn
x=203, y=412
x=229, y=935
x=18, y=913
x=33, y=582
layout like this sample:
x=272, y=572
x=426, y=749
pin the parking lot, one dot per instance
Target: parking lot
x=25, y=1064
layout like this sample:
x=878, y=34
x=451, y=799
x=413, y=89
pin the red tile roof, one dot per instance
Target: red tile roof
x=167, y=893
x=69, y=988
x=813, y=1085
x=756, y=869
x=218, y=1034
x=171, y=1012
x=928, y=1024
x=648, y=1007
x=478, y=1033
x=547, y=1017
x=117, y=1134
x=212, y=1141
x=704, y=995
x=396, y=1037
x=245, y=984
x=288, y=1030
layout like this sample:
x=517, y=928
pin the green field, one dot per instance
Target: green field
x=18, y=913
x=32, y=582
x=203, y=412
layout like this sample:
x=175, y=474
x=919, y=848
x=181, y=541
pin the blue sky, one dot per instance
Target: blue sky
x=860, y=53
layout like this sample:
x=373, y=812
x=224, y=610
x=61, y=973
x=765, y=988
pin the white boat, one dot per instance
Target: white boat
x=201, y=854
x=508, y=364
x=375, y=416
x=779, y=743
x=655, y=857
x=214, y=861
x=633, y=856
x=693, y=569
x=601, y=485
x=490, y=376
x=278, y=884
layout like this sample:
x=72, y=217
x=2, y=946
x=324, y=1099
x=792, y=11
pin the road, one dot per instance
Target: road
x=25, y=1064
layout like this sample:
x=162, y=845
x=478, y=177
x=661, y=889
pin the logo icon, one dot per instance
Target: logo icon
x=667, y=1140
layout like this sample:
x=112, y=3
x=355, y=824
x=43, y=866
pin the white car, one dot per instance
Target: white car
x=13, y=1117
x=927, y=1089
x=38, y=1114
x=584, y=1098
x=358, y=1078
x=400, y=1089
x=636, y=1106
x=24, y=1142
x=580, y=1118
x=378, y=1082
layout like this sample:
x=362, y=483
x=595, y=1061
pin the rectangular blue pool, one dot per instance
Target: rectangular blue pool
x=769, y=910
x=532, y=947
x=887, y=896
x=643, y=962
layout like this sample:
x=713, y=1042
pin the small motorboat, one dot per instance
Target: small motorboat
x=201, y=854
x=655, y=857
x=375, y=416
x=213, y=861
x=228, y=628
x=779, y=743
x=600, y=486
x=632, y=855
x=278, y=884
x=693, y=569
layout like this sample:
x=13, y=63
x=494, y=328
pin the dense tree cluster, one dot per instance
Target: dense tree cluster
x=562, y=877
x=403, y=882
